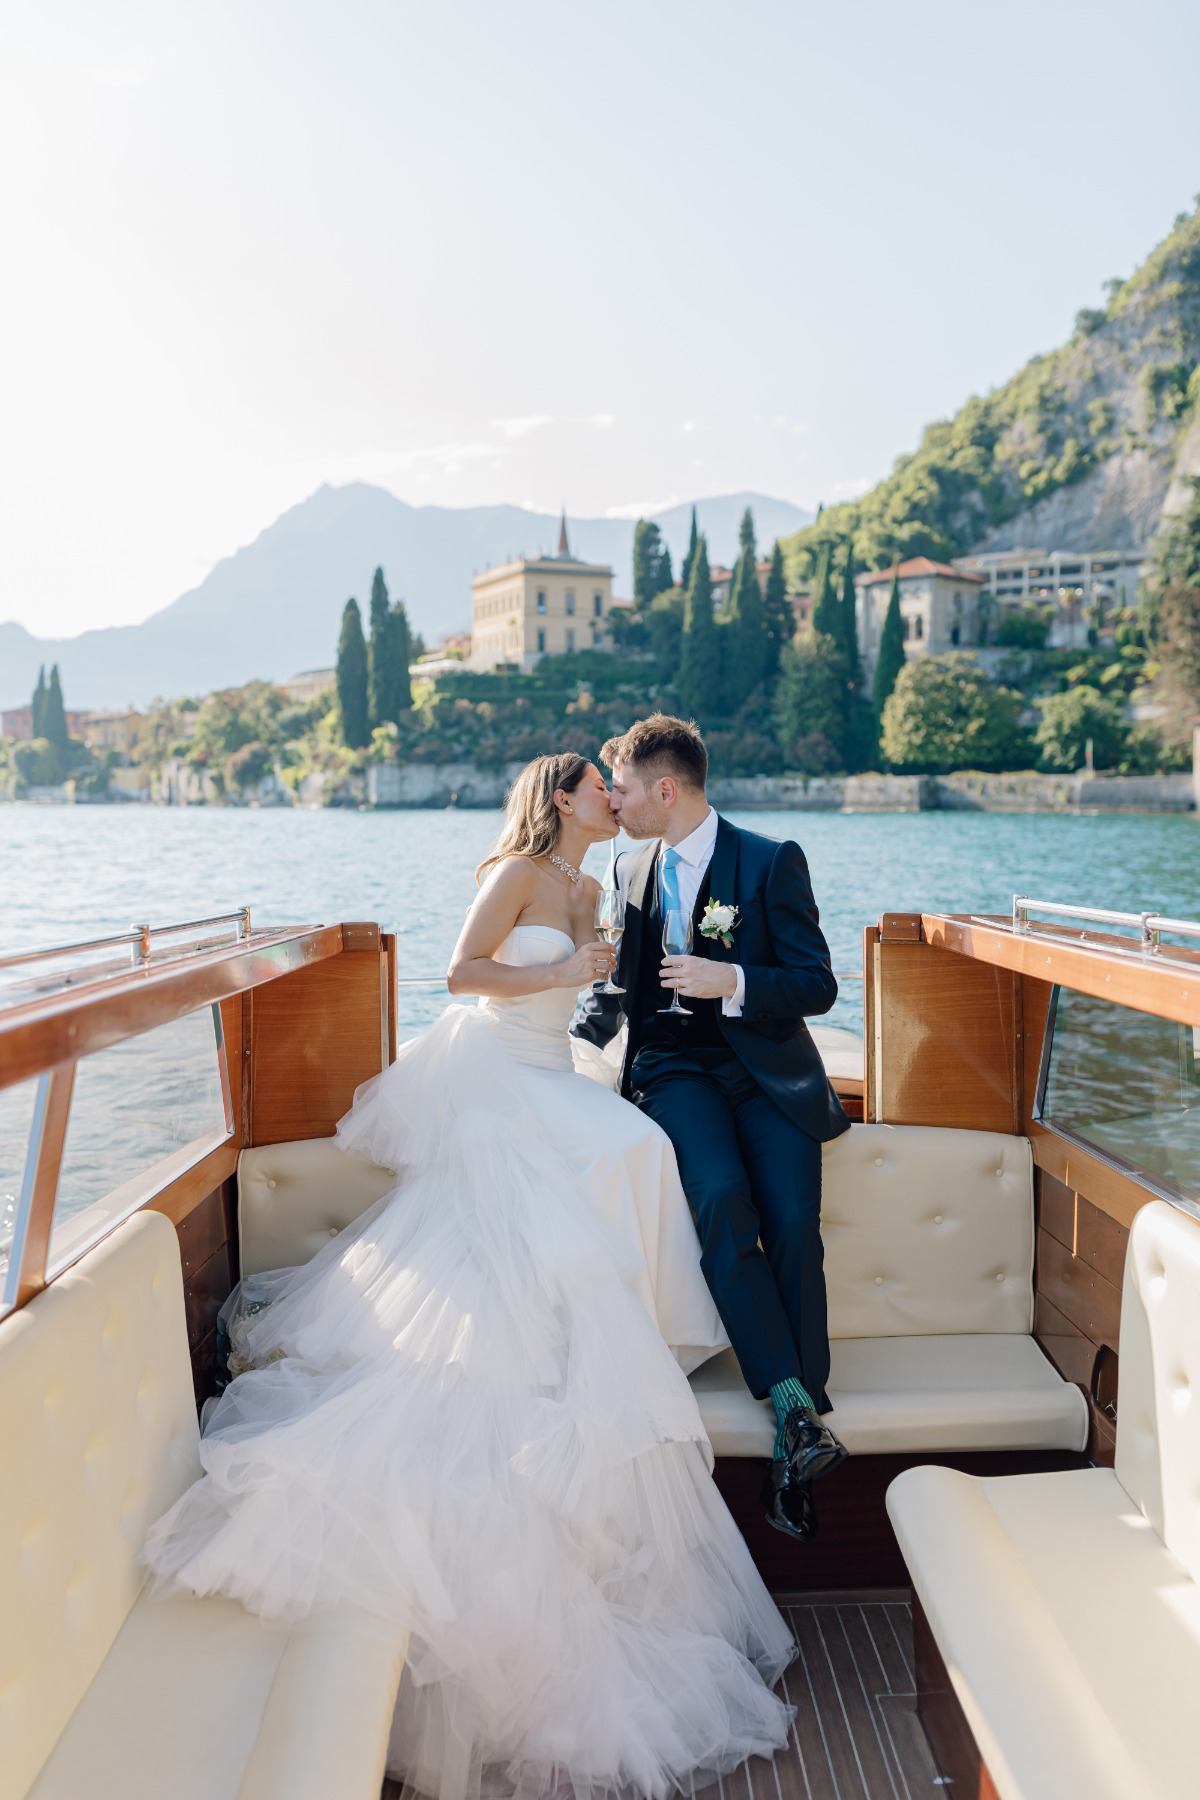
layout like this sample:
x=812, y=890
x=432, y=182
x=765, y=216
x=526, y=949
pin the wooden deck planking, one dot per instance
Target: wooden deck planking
x=856, y=1735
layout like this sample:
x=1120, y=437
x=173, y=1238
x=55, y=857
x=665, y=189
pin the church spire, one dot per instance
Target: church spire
x=564, y=548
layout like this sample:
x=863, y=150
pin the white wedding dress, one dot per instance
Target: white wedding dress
x=463, y=1415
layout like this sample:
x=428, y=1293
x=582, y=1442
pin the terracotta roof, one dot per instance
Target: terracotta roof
x=920, y=565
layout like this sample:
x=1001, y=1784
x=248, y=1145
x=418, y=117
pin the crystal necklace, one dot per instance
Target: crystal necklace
x=568, y=869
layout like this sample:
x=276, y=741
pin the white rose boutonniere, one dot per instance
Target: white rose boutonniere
x=719, y=922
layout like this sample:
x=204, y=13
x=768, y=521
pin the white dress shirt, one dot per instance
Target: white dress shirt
x=695, y=853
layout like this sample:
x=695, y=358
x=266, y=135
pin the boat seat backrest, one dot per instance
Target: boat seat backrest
x=98, y=1435
x=928, y=1232
x=1158, y=1431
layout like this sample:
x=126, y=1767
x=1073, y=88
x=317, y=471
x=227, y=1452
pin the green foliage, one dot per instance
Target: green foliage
x=54, y=718
x=1025, y=627
x=664, y=630
x=1038, y=432
x=891, y=651
x=693, y=550
x=379, y=670
x=825, y=614
x=1175, y=585
x=943, y=714
x=352, y=679
x=36, y=762
x=1069, y=720
x=848, y=621
x=808, y=709
x=746, y=539
x=780, y=618
x=403, y=654
x=700, y=651
x=745, y=643
x=39, y=705
x=247, y=766
x=647, y=557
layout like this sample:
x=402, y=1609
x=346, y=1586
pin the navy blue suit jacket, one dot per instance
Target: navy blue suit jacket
x=780, y=945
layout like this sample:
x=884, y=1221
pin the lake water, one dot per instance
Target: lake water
x=71, y=872
x=68, y=873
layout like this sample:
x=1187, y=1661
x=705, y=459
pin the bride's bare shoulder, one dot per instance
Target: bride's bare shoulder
x=513, y=875
x=591, y=887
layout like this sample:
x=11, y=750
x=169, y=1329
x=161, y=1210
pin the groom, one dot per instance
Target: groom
x=738, y=1087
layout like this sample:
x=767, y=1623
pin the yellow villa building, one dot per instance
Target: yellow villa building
x=539, y=606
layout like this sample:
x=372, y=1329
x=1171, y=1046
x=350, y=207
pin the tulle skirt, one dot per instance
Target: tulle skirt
x=461, y=1416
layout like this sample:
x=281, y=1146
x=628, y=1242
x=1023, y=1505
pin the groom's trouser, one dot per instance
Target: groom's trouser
x=753, y=1181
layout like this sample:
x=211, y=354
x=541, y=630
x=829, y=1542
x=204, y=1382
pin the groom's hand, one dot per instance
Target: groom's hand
x=697, y=978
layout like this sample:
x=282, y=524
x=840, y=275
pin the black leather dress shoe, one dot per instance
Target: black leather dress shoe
x=789, y=1503
x=810, y=1447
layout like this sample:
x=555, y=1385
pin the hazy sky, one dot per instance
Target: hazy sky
x=616, y=253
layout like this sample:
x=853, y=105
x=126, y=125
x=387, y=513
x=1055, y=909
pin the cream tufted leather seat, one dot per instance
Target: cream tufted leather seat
x=103, y=1691
x=929, y=1258
x=1067, y=1607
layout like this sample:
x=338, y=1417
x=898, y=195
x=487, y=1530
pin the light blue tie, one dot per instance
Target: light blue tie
x=670, y=881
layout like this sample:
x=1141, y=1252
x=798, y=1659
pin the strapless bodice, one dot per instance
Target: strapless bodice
x=533, y=1027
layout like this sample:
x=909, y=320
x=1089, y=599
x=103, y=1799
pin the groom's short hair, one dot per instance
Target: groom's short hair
x=661, y=745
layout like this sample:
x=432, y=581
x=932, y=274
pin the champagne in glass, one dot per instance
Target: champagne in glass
x=610, y=925
x=677, y=941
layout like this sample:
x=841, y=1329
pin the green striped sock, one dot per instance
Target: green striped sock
x=785, y=1396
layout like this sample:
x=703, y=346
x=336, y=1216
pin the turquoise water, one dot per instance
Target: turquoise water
x=68, y=872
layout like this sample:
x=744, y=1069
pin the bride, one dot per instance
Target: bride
x=463, y=1414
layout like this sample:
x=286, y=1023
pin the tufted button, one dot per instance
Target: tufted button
x=1000, y=1277
x=879, y=1162
x=272, y=1184
x=1000, y=1170
x=937, y=1218
x=333, y=1231
x=879, y=1281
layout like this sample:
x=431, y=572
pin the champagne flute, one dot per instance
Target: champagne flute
x=610, y=924
x=677, y=941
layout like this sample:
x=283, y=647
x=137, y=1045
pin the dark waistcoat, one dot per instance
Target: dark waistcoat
x=702, y=1029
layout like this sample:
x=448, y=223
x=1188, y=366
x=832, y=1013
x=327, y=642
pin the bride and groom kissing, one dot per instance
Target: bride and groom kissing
x=469, y=1414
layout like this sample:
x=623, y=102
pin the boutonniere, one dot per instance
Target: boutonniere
x=719, y=922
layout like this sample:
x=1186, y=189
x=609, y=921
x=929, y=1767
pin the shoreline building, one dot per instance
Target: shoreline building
x=938, y=603
x=539, y=606
x=1083, y=586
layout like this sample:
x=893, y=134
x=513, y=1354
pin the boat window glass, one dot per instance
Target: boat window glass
x=142, y=1112
x=1126, y=1085
x=16, y=1120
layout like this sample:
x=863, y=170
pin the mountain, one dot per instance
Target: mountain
x=1082, y=449
x=274, y=607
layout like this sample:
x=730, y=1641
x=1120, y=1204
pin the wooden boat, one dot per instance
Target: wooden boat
x=1007, y=1564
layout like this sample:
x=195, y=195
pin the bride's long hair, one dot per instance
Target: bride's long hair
x=531, y=820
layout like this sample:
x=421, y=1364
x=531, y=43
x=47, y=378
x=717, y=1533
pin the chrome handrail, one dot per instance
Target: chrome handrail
x=138, y=935
x=418, y=981
x=1149, y=925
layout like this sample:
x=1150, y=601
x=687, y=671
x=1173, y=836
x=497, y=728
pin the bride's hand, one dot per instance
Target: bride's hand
x=592, y=963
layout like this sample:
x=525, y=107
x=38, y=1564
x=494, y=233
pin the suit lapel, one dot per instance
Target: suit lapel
x=721, y=884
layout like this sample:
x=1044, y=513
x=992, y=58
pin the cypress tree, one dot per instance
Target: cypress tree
x=666, y=574
x=400, y=654
x=647, y=558
x=693, y=550
x=781, y=621
x=700, y=650
x=746, y=534
x=380, y=683
x=848, y=619
x=891, y=651
x=352, y=679
x=747, y=647
x=54, y=725
x=39, y=704
x=826, y=615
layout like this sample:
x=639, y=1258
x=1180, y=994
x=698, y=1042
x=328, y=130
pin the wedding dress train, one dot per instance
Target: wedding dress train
x=462, y=1415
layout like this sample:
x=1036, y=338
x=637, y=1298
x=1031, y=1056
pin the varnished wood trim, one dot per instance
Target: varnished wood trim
x=80, y=1021
x=191, y=1189
x=1076, y=1291
x=1111, y=1192
x=1071, y=1351
x=391, y=994
x=360, y=934
x=1169, y=989
x=900, y=928
x=47, y=1154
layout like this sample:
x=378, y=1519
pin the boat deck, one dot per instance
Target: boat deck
x=856, y=1735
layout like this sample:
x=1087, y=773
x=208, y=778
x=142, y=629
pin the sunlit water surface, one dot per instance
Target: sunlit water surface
x=68, y=873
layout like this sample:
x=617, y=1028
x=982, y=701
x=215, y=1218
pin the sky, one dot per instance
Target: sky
x=613, y=255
